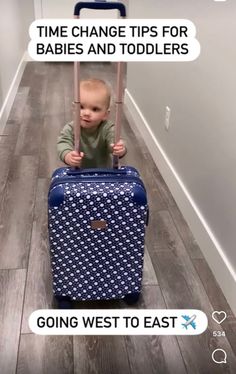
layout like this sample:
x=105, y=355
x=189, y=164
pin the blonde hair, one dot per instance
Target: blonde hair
x=92, y=84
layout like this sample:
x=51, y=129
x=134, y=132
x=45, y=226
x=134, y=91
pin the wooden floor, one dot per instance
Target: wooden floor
x=176, y=274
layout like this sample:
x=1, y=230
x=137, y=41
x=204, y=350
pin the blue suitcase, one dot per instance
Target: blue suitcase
x=97, y=220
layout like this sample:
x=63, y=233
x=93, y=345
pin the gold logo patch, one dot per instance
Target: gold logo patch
x=98, y=224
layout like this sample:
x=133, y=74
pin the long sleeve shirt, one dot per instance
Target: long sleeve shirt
x=95, y=143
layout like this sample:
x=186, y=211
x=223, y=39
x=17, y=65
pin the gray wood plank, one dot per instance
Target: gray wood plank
x=9, y=136
x=188, y=239
x=8, y=140
x=151, y=298
x=54, y=120
x=27, y=79
x=153, y=354
x=6, y=158
x=38, y=293
x=40, y=354
x=68, y=89
x=164, y=190
x=149, y=275
x=17, y=110
x=153, y=237
x=100, y=355
x=16, y=213
x=29, y=138
x=11, y=296
x=164, y=233
x=48, y=151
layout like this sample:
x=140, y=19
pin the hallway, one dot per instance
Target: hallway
x=176, y=274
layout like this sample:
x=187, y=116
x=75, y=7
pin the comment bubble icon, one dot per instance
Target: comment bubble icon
x=219, y=356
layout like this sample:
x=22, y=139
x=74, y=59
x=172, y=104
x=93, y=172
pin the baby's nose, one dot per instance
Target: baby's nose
x=86, y=111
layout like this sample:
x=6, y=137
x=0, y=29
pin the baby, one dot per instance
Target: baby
x=97, y=133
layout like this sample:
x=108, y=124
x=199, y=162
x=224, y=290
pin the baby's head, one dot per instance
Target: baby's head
x=99, y=88
x=95, y=96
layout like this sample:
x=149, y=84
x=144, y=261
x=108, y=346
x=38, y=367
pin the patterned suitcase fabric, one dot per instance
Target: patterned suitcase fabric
x=97, y=225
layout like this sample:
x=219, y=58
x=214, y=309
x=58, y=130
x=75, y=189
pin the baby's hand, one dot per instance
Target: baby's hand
x=119, y=148
x=74, y=158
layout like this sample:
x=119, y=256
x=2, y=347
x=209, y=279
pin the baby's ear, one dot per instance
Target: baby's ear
x=106, y=115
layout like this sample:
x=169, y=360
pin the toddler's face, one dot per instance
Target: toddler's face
x=93, y=107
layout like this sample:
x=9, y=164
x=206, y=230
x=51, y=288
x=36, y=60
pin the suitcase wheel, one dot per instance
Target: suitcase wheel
x=132, y=298
x=63, y=302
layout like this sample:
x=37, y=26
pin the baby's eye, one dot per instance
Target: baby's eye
x=96, y=109
x=81, y=107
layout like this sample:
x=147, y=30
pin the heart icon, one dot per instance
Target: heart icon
x=219, y=317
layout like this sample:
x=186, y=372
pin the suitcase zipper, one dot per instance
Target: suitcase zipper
x=96, y=180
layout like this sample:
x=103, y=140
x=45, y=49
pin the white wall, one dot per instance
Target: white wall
x=198, y=153
x=15, y=17
x=65, y=9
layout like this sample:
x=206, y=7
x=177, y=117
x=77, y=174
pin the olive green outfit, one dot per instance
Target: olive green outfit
x=95, y=143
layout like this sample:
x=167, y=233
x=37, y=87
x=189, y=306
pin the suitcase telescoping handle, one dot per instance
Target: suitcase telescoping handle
x=102, y=5
x=119, y=85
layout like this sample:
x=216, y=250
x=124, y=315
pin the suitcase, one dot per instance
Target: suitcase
x=96, y=222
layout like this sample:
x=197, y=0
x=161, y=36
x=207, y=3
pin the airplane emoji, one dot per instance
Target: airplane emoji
x=189, y=321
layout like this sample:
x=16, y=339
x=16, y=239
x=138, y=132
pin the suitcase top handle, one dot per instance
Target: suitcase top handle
x=100, y=5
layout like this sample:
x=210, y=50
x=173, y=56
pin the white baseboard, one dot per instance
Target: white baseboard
x=211, y=249
x=27, y=57
x=7, y=104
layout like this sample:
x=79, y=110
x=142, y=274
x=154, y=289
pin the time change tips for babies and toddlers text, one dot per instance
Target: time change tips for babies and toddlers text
x=113, y=40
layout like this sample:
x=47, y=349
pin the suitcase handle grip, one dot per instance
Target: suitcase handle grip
x=97, y=171
x=103, y=5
